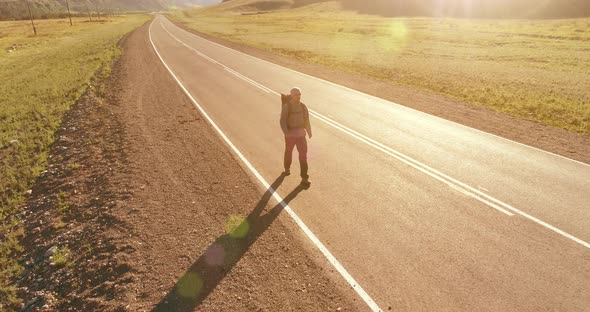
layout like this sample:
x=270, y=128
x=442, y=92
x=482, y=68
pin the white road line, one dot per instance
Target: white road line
x=465, y=189
x=474, y=193
x=382, y=147
x=380, y=99
x=256, y=84
x=235, y=73
x=351, y=281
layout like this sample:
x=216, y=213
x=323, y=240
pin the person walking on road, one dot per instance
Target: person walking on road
x=295, y=125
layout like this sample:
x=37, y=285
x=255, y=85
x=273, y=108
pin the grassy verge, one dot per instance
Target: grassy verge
x=41, y=77
x=534, y=69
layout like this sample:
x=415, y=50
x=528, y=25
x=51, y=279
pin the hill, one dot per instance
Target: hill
x=17, y=9
x=474, y=8
x=530, y=9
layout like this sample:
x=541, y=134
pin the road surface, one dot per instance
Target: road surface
x=423, y=213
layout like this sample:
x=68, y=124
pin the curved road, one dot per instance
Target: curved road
x=425, y=214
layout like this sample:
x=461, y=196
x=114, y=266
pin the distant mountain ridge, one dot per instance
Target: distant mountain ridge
x=474, y=8
x=528, y=9
x=17, y=9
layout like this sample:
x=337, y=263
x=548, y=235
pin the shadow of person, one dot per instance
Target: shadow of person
x=220, y=257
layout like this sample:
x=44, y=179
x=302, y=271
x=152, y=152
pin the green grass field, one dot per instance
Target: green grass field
x=40, y=78
x=534, y=69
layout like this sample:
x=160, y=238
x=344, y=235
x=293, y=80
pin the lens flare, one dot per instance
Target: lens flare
x=190, y=285
x=237, y=227
x=395, y=36
x=215, y=255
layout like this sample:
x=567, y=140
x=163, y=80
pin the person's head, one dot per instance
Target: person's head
x=295, y=94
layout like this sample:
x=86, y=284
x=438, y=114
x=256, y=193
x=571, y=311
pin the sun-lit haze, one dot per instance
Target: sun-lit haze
x=155, y=156
x=473, y=8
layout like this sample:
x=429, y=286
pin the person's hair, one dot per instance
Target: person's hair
x=295, y=90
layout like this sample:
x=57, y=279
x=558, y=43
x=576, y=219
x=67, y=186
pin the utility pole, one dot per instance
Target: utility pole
x=31, y=16
x=88, y=10
x=69, y=14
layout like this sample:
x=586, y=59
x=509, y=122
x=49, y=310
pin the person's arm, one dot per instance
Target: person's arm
x=307, y=123
x=284, y=111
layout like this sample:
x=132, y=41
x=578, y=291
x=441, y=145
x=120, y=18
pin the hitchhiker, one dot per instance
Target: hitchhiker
x=295, y=125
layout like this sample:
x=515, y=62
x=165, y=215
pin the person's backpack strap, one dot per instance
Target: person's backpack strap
x=285, y=100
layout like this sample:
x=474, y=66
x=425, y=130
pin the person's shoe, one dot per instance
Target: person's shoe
x=287, y=172
x=306, y=182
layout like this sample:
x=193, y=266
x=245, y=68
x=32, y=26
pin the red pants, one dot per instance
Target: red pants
x=301, y=143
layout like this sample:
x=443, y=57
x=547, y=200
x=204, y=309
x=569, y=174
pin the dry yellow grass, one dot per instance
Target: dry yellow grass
x=40, y=78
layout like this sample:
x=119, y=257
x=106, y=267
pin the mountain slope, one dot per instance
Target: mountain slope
x=474, y=8
x=17, y=9
x=438, y=8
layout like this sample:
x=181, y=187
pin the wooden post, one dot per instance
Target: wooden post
x=31, y=16
x=69, y=14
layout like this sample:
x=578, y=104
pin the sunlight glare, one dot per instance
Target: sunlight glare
x=190, y=285
x=237, y=227
x=395, y=37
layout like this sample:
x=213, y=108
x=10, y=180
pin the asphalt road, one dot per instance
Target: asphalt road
x=425, y=214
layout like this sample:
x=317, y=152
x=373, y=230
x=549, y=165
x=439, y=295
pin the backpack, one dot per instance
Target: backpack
x=285, y=98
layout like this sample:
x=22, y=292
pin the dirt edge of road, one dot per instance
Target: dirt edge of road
x=568, y=144
x=143, y=207
x=74, y=245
